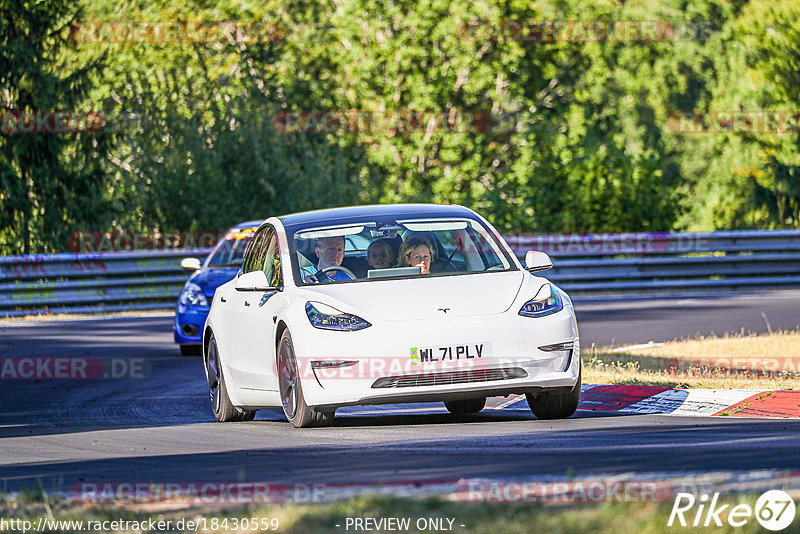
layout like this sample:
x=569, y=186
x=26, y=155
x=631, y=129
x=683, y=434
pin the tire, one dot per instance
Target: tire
x=297, y=412
x=465, y=406
x=555, y=405
x=191, y=350
x=221, y=406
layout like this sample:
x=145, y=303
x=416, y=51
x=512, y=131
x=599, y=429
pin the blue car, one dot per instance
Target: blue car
x=220, y=266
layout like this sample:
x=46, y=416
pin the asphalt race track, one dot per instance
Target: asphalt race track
x=159, y=428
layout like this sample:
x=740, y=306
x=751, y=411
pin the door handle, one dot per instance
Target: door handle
x=222, y=299
x=246, y=303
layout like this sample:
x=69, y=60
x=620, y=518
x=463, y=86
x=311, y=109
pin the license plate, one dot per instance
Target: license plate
x=451, y=353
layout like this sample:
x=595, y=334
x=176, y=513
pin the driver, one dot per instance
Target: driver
x=330, y=251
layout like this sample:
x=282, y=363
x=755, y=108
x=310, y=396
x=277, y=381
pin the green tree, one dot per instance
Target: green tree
x=201, y=151
x=50, y=184
x=580, y=138
x=748, y=179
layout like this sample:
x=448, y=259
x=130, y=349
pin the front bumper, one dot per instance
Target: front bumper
x=188, y=324
x=379, y=366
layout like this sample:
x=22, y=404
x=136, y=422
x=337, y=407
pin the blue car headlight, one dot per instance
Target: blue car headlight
x=329, y=318
x=548, y=300
x=192, y=295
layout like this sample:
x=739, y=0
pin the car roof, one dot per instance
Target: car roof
x=332, y=215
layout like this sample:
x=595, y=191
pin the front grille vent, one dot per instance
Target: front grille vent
x=450, y=377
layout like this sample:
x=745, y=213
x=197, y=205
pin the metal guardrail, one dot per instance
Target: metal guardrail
x=86, y=283
x=585, y=265
x=669, y=263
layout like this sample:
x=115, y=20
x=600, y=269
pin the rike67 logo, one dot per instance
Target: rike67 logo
x=774, y=510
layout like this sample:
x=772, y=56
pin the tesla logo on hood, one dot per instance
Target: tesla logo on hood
x=443, y=310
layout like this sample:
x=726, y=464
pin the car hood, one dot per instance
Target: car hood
x=211, y=279
x=398, y=300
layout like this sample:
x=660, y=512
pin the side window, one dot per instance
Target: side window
x=451, y=245
x=272, y=261
x=264, y=254
x=254, y=258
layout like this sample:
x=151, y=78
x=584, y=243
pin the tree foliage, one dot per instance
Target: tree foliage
x=50, y=184
x=580, y=138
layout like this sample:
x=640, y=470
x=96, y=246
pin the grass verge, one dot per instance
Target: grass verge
x=95, y=315
x=508, y=518
x=746, y=361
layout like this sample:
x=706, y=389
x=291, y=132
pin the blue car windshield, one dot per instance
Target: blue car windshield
x=229, y=252
x=403, y=248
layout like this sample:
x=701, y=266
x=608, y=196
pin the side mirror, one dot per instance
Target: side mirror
x=537, y=261
x=190, y=264
x=253, y=281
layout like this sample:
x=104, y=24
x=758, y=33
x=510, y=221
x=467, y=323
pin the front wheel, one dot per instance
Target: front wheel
x=294, y=404
x=221, y=405
x=556, y=405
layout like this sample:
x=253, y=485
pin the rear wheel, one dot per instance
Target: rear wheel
x=555, y=405
x=294, y=404
x=465, y=406
x=221, y=405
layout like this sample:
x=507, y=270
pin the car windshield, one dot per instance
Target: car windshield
x=230, y=250
x=403, y=248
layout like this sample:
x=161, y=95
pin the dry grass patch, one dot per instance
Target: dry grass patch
x=767, y=346
x=746, y=361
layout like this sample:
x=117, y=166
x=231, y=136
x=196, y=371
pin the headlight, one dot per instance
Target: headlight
x=547, y=300
x=192, y=295
x=329, y=318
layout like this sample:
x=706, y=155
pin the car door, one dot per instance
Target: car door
x=252, y=316
x=231, y=338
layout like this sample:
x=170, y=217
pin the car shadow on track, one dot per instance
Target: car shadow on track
x=434, y=414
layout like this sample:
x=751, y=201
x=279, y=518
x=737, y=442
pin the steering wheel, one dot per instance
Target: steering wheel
x=345, y=270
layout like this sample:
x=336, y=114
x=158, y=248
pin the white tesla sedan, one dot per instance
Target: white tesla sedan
x=388, y=304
